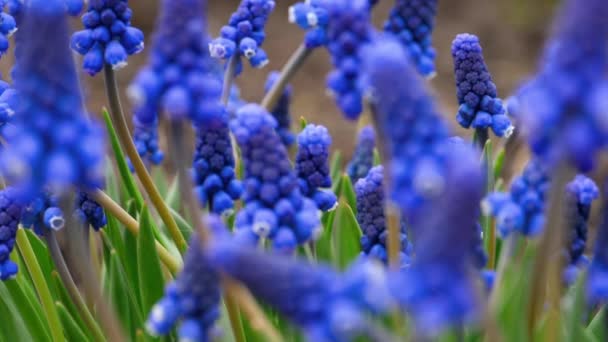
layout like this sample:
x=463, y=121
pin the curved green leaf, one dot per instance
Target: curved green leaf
x=346, y=236
x=150, y=274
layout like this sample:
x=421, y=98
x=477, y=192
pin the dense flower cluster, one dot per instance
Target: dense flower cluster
x=213, y=168
x=43, y=213
x=51, y=141
x=407, y=118
x=312, y=166
x=7, y=104
x=15, y=7
x=370, y=215
x=349, y=29
x=313, y=16
x=108, y=37
x=193, y=298
x=145, y=135
x=274, y=206
x=8, y=26
x=327, y=306
x=363, y=157
x=522, y=209
x=244, y=34
x=88, y=211
x=10, y=214
x=597, y=281
x=562, y=110
x=281, y=110
x=476, y=92
x=412, y=21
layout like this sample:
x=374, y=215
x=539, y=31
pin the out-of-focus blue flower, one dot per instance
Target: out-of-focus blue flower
x=10, y=214
x=480, y=106
x=244, y=34
x=407, y=118
x=581, y=192
x=597, y=278
x=43, y=213
x=52, y=144
x=8, y=26
x=412, y=21
x=438, y=290
x=522, y=209
x=145, y=135
x=313, y=16
x=274, y=206
x=370, y=215
x=193, y=298
x=15, y=7
x=312, y=166
x=281, y=110
x=363, y=157
x=563, y=110
x=108, y=37
x=89, y=211
x=8, y=98
x=213, y=167
x=349, y=29
x=328, y=306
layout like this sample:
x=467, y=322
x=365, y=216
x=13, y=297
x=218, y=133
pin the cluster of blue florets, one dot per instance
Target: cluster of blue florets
x=145, y=136
x=363, y=157
x=327, y=306
x=88, y=211
x=43, y=213
x=476, y=92
x=244, y=34
x=15, y=7
x=213, y=168
x=52, y=144
x=597, y=278
x=349, y=29
x=412, y=21
x=7, y=104
x=312, y=166
x=8, y=26
x=108, y=37
x=281, y=110
x=313, y=16
x=193, y=298
x=10, y=215
x=370, y=215
x=274, y=206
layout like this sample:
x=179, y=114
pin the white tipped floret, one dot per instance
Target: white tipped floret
x=261, y=228
x=486, y=207
x=227, y=213
x=333, y=207
x=312, y=19
x=156, y=315
x=509, y=131
x=119, y=65
x=57, y=222
x=317, y=232
x=249, y=53
x=291, y=14
x=11, y=32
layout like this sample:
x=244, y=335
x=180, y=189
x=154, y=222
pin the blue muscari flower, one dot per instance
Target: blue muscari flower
x=597, y=278
x=193, y=298
x=213, y=167
x=363, y=157
x=15, y=7
x=43, y=213
x=313, y=16
x=10, y=215
x=244, y=34
x=52, y=144
x=145, y=135
x=563, y=109
x=438, y=290
x=522, y=209
x=108, y=37
x=281, y=110
x=312, y=166
x=480, y=106
x=406, y=116
x=412, y=21
x=370, y=215
x=8, y=98
x=326, y=305
x=349, y=29
x=274, y=206
x=581, y=192
x=89, y=211
x=8, y=26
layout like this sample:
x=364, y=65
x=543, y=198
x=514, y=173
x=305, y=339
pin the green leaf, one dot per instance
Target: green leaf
x=335, y=167
x=160, y=180
x=151, y=278
x=377, y=157
x=14, y=328
x=499, y=163
x=597, y=327
x=29, y=311
x=172, y=197
x=346, y=236
x=43, y=257
x=575, y=313
x=303, y=123
x=72, y=331
x=348, y=193
x=64, y=297
x=323, y=244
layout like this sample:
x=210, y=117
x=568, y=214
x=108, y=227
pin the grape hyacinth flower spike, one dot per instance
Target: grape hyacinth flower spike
x=363, y=157
x=10, y=215
x=597, y=278
x=312, y=16
x=52, y=144
x=480, y=106
x=244, y=34
x=89, y=212
x=43, y=213
x=193, y=298
x=370, y=215
x=281, y=110
x=412, y=22
x=328, y=306
x=8, y=26
x=563, y=109
x=274, y=206
x=108, y=37
x=145, y=135
x=72, y=7
x=312, y=166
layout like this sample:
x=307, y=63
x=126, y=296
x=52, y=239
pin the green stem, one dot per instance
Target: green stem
x=124, y=136
x=41, y=286
x=229, y=78
x=68, y=281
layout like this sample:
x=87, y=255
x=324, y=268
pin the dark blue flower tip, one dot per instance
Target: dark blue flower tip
x=10, y=214
x=476, y=92
x=244, y=34
x=412, y=22
x=145, y=135
x=8, y=26
x=363, y=157
x=281, y=111
x=313, y=16
x=108, y=37
x=89, y=211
